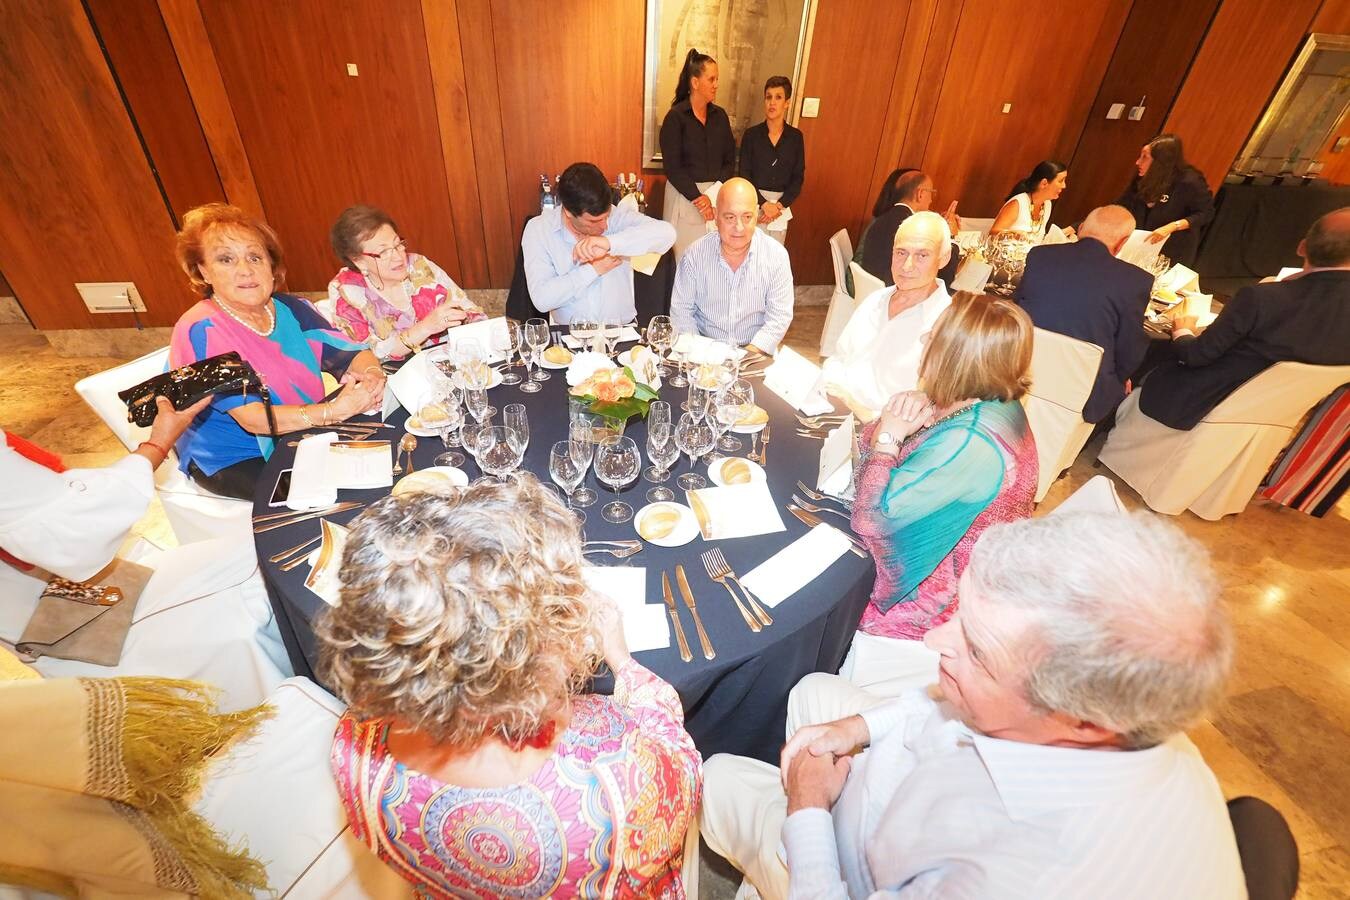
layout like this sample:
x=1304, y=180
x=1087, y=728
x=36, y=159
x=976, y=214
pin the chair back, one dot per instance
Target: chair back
x=1063, y=370
x=1281, y=395
x=100, y=392
x=864, y=282
x=841, y=251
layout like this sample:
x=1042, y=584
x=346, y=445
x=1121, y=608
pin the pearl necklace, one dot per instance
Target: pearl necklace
x=271, y=317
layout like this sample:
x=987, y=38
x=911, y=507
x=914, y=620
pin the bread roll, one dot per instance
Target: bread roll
x=659, y=523
x=558, y=355
x=735, y=471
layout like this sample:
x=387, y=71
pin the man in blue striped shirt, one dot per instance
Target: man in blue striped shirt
x=735, y=284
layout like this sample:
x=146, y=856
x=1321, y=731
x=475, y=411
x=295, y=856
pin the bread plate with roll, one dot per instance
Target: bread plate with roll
x=752, y=422
x=427, y=421
x=555, y=357
x=431, y=480
x=731, y=470
x=666, y=524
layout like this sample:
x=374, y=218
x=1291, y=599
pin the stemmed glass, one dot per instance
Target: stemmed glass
x=498, y=452
x=617, y=462
x=513, y=414
x=537, y=335
x=581, y=435
x=450, y=436
x=677, y=380
x=442, y=360
x=567, y=471
x=662, y=451
x=585, y=331
x=506, y=340
x=731, y=404
x=610, y=331
x=658, y=413
x=477, y=402
x=472, y=435
x=694, y=437
x=661, y=334
x=699, y=400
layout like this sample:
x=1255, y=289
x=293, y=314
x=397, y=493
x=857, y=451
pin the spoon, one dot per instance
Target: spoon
x=407, y=444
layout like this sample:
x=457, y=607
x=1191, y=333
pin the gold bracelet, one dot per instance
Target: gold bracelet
x=403, y=339
x=328, y=412
x=304, y=414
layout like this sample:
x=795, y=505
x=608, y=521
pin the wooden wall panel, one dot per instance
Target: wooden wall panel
x=77, y=200
x=853, y=64
x=1333, y=17
x=1244, y=56
x=1156, y=47
x=570, y=86
x=318, y=139
x=143, y=59
x=1044, y=58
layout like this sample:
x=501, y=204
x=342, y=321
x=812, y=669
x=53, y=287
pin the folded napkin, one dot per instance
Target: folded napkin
x=480, y=331
x=711, y=192
x=972, y=276
x=834, y=475
x=1055, y=235
x=414, y=384
x=644, y=262
x=1286, y=272
x=796, y=565
x=628, y=334
x=795, y=378
x=359, y=464
x=780, y=223
x=645, y=626
x=738, y=510
x=699, y=349
x=310, y=488
x=326, y=563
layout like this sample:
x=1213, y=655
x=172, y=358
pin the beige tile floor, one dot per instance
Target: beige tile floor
x=1283, y=734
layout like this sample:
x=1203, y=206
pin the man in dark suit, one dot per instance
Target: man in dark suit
x=1082, y=291
x=1305, y=318
x=913, y=192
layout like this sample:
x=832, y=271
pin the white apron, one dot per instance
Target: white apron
x=684, y=215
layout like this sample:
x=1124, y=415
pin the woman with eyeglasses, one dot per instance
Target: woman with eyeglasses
x=386, y=296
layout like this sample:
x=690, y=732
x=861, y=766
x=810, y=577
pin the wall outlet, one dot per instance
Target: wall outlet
x=351, y=70
x=110, y=296
x=810, y=107
x=1116, y=111
x=1007, y=108
x=1136, y=113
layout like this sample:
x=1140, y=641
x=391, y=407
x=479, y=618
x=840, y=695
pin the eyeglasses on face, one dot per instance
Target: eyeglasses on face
x=389, y=253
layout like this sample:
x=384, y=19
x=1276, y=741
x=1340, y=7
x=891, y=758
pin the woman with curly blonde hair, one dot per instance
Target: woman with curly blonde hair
x=467, y=759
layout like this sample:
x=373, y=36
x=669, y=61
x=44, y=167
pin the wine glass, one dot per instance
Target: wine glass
x=477, y=402
x=661, y=334
x=472, y=435
x=442, y=360
x=585, y=331
x=450, y=436
x=566, y=471
x=611, y=331
x=538, y=336
x=731, y=404
x=617, y=462
x=699, y=399
x=658, y=414
x=581, y=435
x=506, y=340
x=677, y=380
x=694, y=437
x=662, y=451
x=513, y=414
x=498, y=452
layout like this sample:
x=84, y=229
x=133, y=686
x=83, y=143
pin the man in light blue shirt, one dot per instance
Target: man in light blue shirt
x=577, y=254
x=735, y=285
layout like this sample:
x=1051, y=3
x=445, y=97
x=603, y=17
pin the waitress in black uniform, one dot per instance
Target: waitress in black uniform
x=773, y=158
x=697, y=150
x=1169, y=197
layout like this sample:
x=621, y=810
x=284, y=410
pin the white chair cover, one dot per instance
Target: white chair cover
x=276, y=793
x=1097, y=494
x=842, y=304
x=1216, y=467
x=864, y=282
x=193, y=513
x=1063, y=370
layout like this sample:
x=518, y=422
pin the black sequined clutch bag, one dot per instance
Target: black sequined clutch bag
x=185, y=386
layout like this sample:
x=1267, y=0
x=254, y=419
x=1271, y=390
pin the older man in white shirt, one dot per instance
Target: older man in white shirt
x=577, y=255
x=1048, y=763
x=877, y=355
x=735, y=285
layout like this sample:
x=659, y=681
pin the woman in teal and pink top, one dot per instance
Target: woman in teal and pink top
x=469, y=760
x=392, y=300
x=236, y=263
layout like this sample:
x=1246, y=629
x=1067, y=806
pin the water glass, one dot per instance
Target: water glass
x=611, y=332
x=581, y=436
x=694, y=437
x=537, y=335
x=472, y=437
x=498, y=452
x=585, y=332
x=566, y=472
x=658, y=416
x=450, y=437
x=515, y=419
x=506, y=340
x=477, y=402
x=442, y=359
x=733, y=403
x=662, y=451
x=617, y=462
x=699, y=398
x=677, y=380
x=661, y=334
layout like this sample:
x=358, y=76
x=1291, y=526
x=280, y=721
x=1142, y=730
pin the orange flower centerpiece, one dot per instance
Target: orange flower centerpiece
x=608, y=390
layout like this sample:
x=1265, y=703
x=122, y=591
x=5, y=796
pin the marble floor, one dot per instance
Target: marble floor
x=1283, y=733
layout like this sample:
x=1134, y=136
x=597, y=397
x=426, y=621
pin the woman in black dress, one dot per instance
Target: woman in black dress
x=1169, y=197
x=697, y=149
x=773, y=158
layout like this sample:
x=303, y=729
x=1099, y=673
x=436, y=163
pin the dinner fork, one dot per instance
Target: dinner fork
x=819, y=497
x=811, y=507
x=822, y=421
x=278, y=557
x=764, y=446
x=814, y=435
x=721, y=562
x=616, y=552
x=719, y=574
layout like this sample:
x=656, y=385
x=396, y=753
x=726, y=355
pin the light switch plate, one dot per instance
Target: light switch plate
x=1116, y=111
x=810, y=107
x=351, y=70
x=110, y=296
x=1136, y=113
x=1007, y=108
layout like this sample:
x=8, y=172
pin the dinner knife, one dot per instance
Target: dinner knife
x=811, y=520
x=675, y=618
x=708, y=651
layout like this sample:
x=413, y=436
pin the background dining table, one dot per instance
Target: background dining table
x=734, y=703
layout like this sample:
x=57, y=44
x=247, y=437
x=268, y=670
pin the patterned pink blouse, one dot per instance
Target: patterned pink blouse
x=365, y=316
x=606, y=816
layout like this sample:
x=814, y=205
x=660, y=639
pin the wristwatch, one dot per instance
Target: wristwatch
x=883, y=440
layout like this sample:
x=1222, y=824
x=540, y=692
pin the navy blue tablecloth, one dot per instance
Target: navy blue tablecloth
x=735, y=703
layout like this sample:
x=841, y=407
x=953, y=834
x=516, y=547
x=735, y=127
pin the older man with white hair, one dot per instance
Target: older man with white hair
x=1049, y=761
x=735, y=284
x=877, y=355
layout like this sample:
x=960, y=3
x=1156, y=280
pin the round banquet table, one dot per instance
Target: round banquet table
x=734, y=703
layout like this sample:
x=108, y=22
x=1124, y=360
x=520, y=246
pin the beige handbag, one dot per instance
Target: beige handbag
x=86, y=621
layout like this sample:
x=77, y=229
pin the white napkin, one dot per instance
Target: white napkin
x=796, y=565
x=834, y=475
x=1055, y=235
x=629, y=333
x=738, y=510
x=645, y=626
x=1286, y=272
x=1194, y=303
x=413, y=384
x=698, y=349
x=972, y=276
x=644, y=262
x=359, y=467
x=629, y=201
x=711, y=193
x=310, y=488
x=794, y=378
x=480, y=331
x=780, y=223
x=1139, y=251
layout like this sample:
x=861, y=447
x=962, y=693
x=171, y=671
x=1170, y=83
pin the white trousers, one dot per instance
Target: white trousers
x=887, y=667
